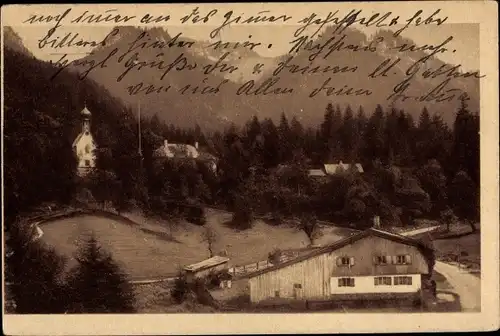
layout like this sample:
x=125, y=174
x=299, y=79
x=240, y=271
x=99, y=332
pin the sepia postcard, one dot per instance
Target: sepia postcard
x=250, y=168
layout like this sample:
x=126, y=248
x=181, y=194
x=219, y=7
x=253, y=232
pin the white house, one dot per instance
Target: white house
x=171, y=150
x=84, y=145
x=185, y=151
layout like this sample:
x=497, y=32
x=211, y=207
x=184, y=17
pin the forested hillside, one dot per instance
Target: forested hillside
x=414, y=167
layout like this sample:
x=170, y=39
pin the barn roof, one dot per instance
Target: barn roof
x=316, y=172
x=344, y=242
x=208, y=263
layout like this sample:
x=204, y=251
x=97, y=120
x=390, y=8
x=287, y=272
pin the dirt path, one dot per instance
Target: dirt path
x=466, y=285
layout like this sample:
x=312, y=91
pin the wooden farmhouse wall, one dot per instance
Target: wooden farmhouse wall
x=313, y=275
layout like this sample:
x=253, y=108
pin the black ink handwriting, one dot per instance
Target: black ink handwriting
x=267, y=87
x=351, y=18
x=334, y=43
x=440, y=93
x=287, y=65
x=71, y=39
x=417, y=20
x=34, y=18
x=240, y=19
x=108, y=16
x=342, y=91
x=194, y=16
x=181, y=63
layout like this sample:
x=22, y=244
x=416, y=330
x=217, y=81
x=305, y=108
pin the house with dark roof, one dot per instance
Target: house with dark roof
x=372, y=264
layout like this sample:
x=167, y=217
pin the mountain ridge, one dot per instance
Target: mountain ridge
x=229, y=87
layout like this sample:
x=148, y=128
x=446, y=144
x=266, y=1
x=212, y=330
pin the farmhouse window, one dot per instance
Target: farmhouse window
x=277, y=294
x=87, y=163
x=299, y=286
x=402, y=260
x=381, y=260
x=346, y=282
x=345, y=261
x=383, y=281
x=402, y=280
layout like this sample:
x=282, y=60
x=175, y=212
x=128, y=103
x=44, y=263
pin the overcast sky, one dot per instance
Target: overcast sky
x=465, y=39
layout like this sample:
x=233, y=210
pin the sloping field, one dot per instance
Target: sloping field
x=249, y=246
x=147, y=251
x=143, y=254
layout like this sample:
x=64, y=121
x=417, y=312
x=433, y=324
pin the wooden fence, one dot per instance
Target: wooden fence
x=249, y=268
x=237, y=271
x=465, y=263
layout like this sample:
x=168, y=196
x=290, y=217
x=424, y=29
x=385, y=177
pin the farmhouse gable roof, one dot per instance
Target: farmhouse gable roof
x=344, y=242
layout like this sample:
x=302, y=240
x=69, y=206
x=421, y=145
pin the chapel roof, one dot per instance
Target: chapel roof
x=85, y=112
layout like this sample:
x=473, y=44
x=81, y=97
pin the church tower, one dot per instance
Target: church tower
x=84, y=145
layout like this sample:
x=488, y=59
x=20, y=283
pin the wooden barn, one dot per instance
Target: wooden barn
x=203, y=268
x=370, y=264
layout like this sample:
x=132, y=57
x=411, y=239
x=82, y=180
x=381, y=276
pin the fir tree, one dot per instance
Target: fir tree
x=284, y=134
x=374, y=139
x=97, y=284
x=349, y=136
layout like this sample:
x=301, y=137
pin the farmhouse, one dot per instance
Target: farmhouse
x=205, y=267
x=371, y=264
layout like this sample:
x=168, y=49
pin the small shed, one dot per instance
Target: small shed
x=316, y=173
x=205, y=267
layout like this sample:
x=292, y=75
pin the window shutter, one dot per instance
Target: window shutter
x=375, y=260
x=408, y=259
x=351, y=261
x=390, y=259
x=339, y=261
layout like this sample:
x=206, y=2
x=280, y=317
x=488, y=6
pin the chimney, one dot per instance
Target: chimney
x=165, y=146
x=196, y=145
x=376, y=222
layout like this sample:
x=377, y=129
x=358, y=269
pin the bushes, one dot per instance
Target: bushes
x=274, y=257
x=173, y=210
x=184, y=291
x=243, y=215
x=194, y=214
x=214, y=279
x=180, y=289
x=35, y=273
x=309, y=224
